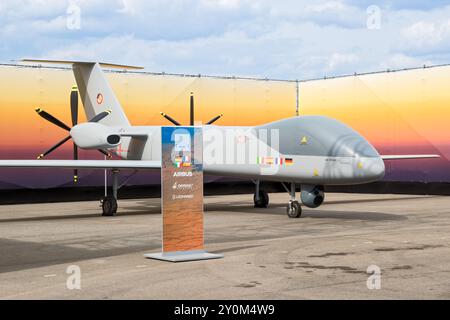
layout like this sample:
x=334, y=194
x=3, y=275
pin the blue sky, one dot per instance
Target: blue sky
x=289, y=39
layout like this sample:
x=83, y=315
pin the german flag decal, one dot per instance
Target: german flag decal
x=274, y=161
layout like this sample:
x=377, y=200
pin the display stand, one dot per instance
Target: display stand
x=182, y=196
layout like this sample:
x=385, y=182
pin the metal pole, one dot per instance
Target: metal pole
x=292, y=191
x=297, y=94
x=106, y=181
x=257, y=190
x=115, y=183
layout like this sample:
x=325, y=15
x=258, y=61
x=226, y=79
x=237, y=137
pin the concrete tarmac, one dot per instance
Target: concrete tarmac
x=323, y=255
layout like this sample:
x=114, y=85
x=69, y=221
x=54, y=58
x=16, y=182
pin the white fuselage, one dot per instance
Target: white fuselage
x=221, y=141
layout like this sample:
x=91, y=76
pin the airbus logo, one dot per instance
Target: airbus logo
x=182, y=174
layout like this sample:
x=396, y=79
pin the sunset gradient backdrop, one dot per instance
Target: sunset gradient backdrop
x=402, y=112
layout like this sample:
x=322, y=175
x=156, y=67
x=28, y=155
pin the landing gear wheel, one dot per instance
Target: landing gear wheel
x=294, y=210
x=109, y=206
x=263, y=201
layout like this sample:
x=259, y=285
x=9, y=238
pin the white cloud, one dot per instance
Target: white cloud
x=400, y=61
x=282, y=39
x=337, y=60
x=425, y=36
x=232, y=4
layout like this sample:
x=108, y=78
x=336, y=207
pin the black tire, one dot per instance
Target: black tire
x=109, y=206
x=294, y=209
x=263, y=201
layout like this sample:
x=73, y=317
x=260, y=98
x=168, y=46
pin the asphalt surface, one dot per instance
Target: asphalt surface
x=323, y=255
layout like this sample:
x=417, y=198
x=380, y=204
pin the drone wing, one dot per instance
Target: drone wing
x=409, y=156
x=82, y=164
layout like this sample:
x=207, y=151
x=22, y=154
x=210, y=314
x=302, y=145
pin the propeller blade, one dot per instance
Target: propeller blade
x=47, y=116
x=74, y=105
x=105, y=153
x=75, y=157
x=191, y=113
x=42, y=155
x=215, y=119
x=175, y=122
x=100, y=116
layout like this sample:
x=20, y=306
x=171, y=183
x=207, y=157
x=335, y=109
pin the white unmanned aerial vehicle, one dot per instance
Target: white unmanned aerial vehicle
x=312, y=151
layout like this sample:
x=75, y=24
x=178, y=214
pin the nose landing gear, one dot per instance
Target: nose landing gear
x=293, y=209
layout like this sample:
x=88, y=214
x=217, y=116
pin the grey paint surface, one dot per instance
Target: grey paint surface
x=326, y=137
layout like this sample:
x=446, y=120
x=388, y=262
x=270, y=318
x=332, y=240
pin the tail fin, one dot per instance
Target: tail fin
x=95, y=91
x=97, y=95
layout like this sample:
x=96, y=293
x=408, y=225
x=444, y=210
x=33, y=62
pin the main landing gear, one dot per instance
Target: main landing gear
x=293, y=209
x=109, y=203
x=260, y=198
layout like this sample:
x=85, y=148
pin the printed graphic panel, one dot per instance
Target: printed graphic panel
x=398, y=112
x=182, y=188
x=24, y=135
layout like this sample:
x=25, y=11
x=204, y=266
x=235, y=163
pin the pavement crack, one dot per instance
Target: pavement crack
x=330, y=254
x=422, y=247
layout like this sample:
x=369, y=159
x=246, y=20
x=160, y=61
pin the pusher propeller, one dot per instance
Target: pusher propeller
x=47, y=116
x=74, y=117
x=191, y=115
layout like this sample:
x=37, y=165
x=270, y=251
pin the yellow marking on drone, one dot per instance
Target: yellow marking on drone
x=39, y=157
x=304, y=140
x=38, y=110
x=74, y=88
x=360, y=165
x=316, y=173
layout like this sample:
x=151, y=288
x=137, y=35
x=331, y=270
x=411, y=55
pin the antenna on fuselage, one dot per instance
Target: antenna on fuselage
x=191, y=107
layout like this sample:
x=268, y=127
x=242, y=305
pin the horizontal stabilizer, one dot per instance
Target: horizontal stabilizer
x=102, y=64
x=82, y=164
x=409, y=156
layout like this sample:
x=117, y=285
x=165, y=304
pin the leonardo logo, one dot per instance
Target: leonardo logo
x=182, y=174
x=99, y=98
x=184, y=186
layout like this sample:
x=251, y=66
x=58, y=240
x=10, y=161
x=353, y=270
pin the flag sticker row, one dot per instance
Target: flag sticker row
x=274, y=161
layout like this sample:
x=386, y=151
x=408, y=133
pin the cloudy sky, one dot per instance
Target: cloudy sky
x=289, y=39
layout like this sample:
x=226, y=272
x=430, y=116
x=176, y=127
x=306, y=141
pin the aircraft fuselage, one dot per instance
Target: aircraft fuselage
x=312, y=150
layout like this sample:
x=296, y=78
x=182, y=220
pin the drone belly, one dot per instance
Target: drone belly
x=317, y=170
x=325, y=170
x=233, y=170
